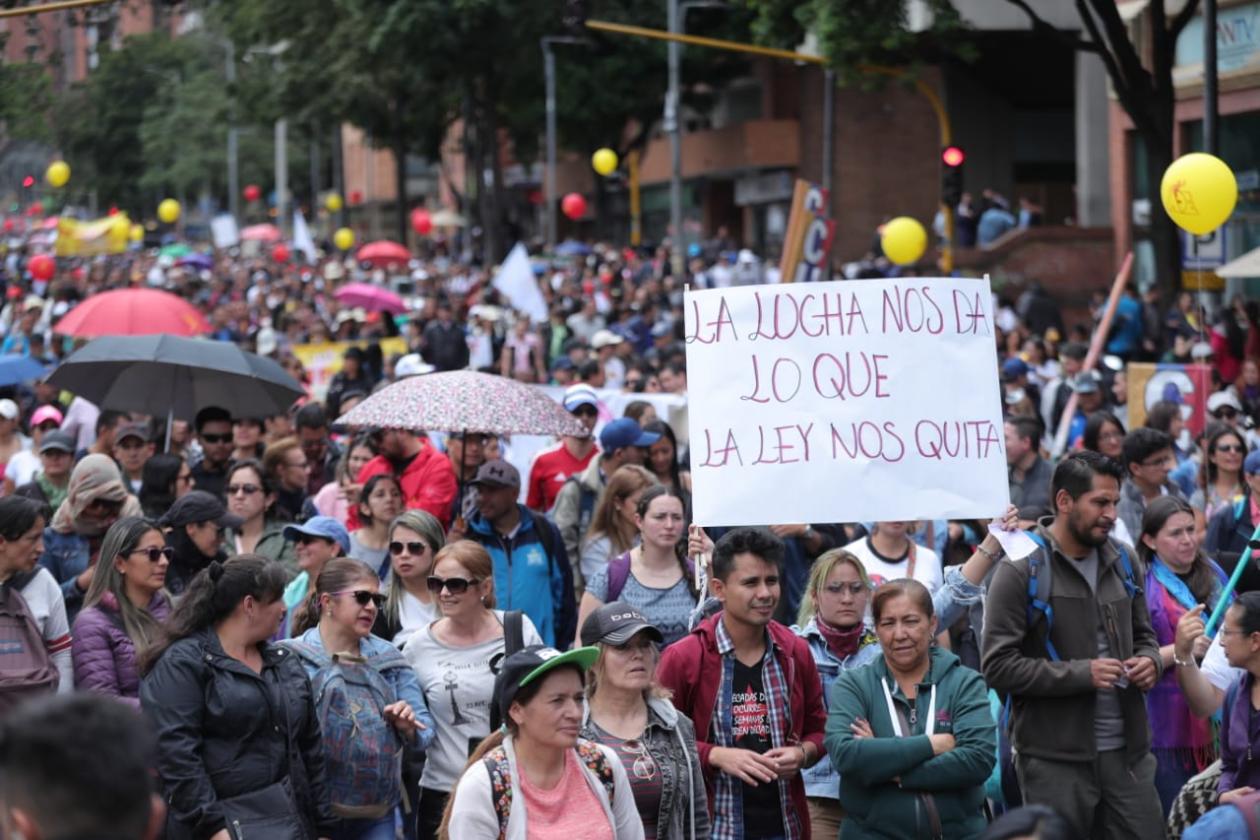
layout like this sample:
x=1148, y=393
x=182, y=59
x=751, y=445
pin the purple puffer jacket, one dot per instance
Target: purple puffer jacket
x=104, y=656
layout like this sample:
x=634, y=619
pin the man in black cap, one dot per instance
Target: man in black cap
x=52, y=481
x=531, y=568
x=195, y=526
x=131, y=449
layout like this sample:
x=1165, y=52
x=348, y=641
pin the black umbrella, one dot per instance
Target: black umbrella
x=165, y=375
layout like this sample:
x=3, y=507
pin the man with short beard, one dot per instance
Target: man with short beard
x=1076, y=672
x=426, y=475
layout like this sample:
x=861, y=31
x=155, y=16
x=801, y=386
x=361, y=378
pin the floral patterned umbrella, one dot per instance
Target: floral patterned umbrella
x=461, y=400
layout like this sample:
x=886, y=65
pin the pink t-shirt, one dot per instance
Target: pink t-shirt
x=570, y=809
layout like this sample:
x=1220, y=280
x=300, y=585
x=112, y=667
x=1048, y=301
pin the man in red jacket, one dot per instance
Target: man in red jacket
x=751, y=687
x=426, y=475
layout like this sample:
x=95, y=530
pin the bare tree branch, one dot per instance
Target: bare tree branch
x=1183, y=18
x=1116, y=40
x=1043, y=26
x=1118, y=79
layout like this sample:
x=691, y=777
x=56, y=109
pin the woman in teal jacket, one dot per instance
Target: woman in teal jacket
x=911, y=734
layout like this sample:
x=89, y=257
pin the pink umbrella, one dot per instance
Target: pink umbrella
x=371, y=298
x=261, y=233
x=463, y=400
x=383, y=252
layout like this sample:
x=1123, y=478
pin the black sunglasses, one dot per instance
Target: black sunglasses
x=587, y=410
x=396, y=548
x=1226, y=413
x=455, y=586
x=363, y=597
x=1229, y=447
x=217, y=438
x=307, y=539
x=155, y=554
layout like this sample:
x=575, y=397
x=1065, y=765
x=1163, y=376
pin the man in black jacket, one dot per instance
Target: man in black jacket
x=444, y=344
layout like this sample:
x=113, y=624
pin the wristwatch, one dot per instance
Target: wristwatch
x=1180, y=663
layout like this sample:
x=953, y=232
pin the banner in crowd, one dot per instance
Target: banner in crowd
x=810, y=232
x=108, y=235
x=323, y=360
x=1186, y=385
x=844, y=401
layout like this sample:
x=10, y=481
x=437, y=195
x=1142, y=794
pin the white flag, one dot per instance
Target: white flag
x=302, y=238
x=516, y=280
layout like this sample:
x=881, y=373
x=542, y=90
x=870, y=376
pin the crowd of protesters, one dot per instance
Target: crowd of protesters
x=323, y=632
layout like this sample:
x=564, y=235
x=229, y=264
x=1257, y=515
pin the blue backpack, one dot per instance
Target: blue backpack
x=363, y=750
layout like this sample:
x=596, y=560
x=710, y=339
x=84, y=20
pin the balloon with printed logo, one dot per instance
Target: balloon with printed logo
x=58, y=174
x=344, y=239
x=573, y=205
x=169, y=210
x=421, y=221
x=903, y=240
x=280, y=253
x=252, y=192
x=604, y=161
x=42, y=267
x=333, y=202
x=1199, y=192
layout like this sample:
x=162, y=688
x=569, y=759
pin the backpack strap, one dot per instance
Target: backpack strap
x=309, y=653
x=1039, y=591
x=595, y=760
x=513, y=632
x=618, y=574
x=1130, y=581
x=496, y=764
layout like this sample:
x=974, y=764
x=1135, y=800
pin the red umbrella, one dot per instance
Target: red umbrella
x=261, y=233
x=133, y=312
x=383, y=252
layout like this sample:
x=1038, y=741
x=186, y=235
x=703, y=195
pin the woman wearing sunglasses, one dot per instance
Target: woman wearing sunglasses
x=628, y=712
x=123, y=609
x=368, y=699
x=249, y=495
x=415, y=538
x=95, y=499
x=1221, y=474
x=452, y=658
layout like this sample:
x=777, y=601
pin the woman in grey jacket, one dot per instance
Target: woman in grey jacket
x=631, y=715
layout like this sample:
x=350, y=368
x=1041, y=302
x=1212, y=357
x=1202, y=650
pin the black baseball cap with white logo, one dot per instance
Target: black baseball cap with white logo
x=497, y=474
x=616, y=624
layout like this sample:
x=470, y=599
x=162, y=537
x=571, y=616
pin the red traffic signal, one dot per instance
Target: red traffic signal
x=953, y=156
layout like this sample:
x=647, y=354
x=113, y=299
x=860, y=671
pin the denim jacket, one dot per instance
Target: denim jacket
x=66, y=556
x=822, y=779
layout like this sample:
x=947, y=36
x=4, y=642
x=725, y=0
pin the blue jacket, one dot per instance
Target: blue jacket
x=66, y=556
x=1126, y=332
x=404, y=681
x=532, y=574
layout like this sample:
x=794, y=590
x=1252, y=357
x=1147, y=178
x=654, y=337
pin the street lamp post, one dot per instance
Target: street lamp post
x=549, y=79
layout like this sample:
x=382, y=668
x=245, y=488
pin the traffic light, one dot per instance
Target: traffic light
x=952, y=158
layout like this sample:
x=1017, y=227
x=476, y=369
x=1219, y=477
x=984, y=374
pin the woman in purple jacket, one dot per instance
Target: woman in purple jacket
x=1240, y=718
x=122, y=610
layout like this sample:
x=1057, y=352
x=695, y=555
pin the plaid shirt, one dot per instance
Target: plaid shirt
x=728, y=798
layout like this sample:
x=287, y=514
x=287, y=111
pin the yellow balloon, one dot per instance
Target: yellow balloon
x=904, y=240
x=1199, y=192
x=604, y=161
x=58, y=174
x=121, y=227
x=333, y=202
x=137, y=233
x=169, y=210
x=344, y=239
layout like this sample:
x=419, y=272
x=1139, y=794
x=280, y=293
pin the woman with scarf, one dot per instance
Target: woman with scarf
x=1178, y=577
x=94, y=501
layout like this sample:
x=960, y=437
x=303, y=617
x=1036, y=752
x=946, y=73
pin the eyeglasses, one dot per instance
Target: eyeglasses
x=363, y=597
x=227, y=438
x=155, y=554
x=644, y=764
x=300, y=466
x=585, y=411
x=1229, y=447
x=396, y=548
x=1225, y=413
x=247, y=489
x=307, y=539
x=856, y=588
x=455, y=586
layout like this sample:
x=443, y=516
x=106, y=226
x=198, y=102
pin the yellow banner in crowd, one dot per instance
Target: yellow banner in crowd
x=91, y=239
x=323, y=360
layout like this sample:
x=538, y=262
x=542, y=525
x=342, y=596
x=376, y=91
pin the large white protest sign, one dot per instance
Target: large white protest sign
x=847, y=401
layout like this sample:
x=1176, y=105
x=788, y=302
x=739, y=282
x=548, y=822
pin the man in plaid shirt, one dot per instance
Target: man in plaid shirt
x=751, y=687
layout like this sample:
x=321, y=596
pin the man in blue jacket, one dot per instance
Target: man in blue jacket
x=531, y=566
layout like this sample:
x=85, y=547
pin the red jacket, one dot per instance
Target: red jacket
x=692, y=669
x=428, y=483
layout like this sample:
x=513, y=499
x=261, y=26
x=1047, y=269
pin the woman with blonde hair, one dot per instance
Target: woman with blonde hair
x=123, y=609
x=415, y=538
x=613, y=530
x=452, y=657
x=629, y=713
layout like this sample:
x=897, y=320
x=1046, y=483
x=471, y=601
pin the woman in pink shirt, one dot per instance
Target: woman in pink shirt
x=538, y=779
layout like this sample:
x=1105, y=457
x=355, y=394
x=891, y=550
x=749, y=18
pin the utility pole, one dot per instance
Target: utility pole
x=674, y=129
x=549, y=81
x=233, y=135
x=1210, y=100
x=282, y=173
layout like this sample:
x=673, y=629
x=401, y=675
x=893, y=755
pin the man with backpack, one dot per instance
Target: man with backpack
x=531, y=569
x=1068, y=637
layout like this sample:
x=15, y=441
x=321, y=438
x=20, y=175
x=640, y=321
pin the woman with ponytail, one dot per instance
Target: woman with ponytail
x=370, y=703
x=123, y=609
x=239, y=745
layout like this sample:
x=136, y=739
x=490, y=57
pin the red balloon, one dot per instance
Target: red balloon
x=113, y=211
x=356, y=197
x=280, y=253
x=42, y=267
x=421, y=221
x=574, y=206
x=9, y=225
x=252, y=192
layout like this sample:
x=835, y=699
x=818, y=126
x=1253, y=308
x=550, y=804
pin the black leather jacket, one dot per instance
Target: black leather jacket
x=224, y=730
